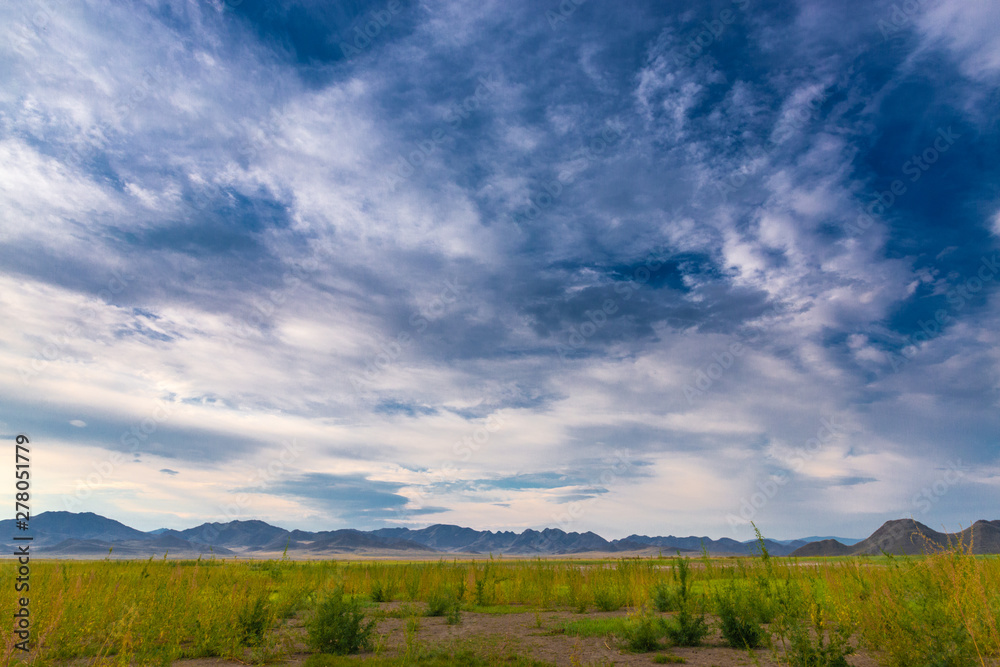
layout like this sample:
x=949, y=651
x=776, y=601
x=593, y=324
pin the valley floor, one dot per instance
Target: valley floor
x=528, y=638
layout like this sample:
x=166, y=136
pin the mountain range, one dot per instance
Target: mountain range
x=906, y=536
x=63, y=534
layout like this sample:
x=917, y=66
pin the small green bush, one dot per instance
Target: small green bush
x=738, y=620
x=381, y=591
x=445, y=603
x=608, y=598
x=484, y=595
x=664, y=598
x=338, y=626
x=253, y=620
x=813, y=649
x=688, y=628
x=642, y=633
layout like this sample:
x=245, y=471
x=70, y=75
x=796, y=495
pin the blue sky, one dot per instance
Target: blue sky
x=651, y=267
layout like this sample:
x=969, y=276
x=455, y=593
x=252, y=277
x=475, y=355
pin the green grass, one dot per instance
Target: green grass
x=499, y=609
x=905, y=610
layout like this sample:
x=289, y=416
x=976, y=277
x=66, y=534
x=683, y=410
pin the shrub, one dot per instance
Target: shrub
x=338, y=626
x=804, y=653
x=608, y=598
x=445, y=603
x=688, y=628
x=484, y=595
x=252, y=621
x=663, y=597
x=818, y=647
x=936, y=611
x=381, y=591
x=642, y=633
x=738, y=619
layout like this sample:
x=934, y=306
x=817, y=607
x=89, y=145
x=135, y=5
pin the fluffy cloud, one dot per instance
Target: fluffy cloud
x=486, y=266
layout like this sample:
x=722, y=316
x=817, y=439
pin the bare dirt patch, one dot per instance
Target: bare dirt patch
x=537, y=635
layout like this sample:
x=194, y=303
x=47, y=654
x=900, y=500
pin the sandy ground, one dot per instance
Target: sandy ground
x=520, y=633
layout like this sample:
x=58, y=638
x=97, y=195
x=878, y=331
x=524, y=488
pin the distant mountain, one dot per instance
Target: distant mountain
x=723, y=546
x=456, y=539
x=133, y=548
x=902, y=536
x=829, y=547
x=49, y=528
x=909, y=537
x=443, y=537
x=91, y=535
x=814, y=538
x=849, y=541
x=246, y=534
x=983, y=536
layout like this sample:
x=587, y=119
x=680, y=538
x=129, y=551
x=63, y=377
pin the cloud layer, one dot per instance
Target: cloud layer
x=629, y=268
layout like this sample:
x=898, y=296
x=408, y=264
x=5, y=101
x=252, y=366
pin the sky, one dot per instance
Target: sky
x=631, y=267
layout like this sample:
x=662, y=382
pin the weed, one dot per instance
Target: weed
x=608, y=597
x=338, y=626
x=642, y=632
x=381, y=591
x=738, y=620
x=412, y=627
x=253, y=621
x=663, y=597
x=445, y=603
x=688, y=628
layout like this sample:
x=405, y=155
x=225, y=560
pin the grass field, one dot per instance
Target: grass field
x=940, y=610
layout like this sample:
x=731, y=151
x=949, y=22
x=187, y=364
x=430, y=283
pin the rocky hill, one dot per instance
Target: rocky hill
x=909, y=537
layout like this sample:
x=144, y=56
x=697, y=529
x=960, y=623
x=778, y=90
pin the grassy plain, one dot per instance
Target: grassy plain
x=941, y=610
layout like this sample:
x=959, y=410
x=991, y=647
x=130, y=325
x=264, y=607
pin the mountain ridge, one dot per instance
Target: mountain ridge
x=910, y=537
x=62, y=533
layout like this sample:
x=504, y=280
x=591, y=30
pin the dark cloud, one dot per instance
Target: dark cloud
x=346, y=496
x=471, y=210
